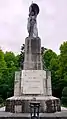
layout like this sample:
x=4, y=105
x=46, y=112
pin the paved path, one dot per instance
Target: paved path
x=57, y=114
x=63, y=113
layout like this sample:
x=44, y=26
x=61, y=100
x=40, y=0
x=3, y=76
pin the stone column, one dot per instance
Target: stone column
x=32, y=59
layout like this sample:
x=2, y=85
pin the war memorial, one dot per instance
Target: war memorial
x=33, y=83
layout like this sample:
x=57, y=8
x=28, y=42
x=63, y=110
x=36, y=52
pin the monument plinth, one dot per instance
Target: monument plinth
x=32, y=60
x=32, y=82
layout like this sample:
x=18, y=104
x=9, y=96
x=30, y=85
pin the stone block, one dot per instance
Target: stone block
x=48, y=104
x=32, y=60
x=18, y=108
x=17, y=82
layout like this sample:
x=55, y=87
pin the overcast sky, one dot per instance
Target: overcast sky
x=51, y=22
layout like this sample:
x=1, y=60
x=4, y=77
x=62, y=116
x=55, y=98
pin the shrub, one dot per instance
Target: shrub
x=1, y=100
x=64, y=96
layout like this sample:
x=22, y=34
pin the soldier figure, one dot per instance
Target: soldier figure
x=32, y=23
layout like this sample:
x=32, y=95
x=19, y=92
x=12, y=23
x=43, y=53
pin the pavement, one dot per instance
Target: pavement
x=62, y=114
x=2, y=109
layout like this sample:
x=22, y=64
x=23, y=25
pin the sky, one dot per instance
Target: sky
x=51, y=23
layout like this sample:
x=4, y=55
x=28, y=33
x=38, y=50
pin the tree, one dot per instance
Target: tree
x=52, y=62
x=22, y=56
x=47, y=56
x=7, y=82
x=43, y=50
x=10, y=59
x=2, y=61
x=63, y=60
x=8, y=66
x=64, y=96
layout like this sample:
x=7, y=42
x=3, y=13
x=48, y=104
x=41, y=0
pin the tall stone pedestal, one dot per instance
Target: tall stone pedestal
x=32, y=82
x=33, y=60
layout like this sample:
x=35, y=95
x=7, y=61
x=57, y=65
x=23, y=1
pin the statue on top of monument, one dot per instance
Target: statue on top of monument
x=32, y=23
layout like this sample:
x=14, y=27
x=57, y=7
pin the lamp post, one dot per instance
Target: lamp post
x=34, y=109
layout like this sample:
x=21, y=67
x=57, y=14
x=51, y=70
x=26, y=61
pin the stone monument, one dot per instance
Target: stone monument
x=32, y=82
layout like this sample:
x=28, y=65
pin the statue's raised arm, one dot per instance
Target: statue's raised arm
x=32, y=23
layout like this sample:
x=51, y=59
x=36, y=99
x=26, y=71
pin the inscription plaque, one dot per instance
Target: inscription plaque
x=33, y=81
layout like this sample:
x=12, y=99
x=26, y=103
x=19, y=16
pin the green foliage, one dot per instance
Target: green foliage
x=64, y=92
x=8, y=66
x=58, y=66
x=63, y=48
x=2, y=61
x=63, y=59
x=7, y=82
x=10, y=59
x=47, y=56
x=21, y=58
x=1, y=100
x=64, y=96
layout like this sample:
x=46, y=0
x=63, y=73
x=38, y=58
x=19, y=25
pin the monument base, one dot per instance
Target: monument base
x=48, y=104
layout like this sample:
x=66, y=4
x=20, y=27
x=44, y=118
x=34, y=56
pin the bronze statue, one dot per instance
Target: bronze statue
x=32, y=23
